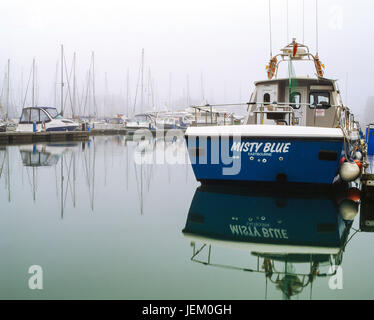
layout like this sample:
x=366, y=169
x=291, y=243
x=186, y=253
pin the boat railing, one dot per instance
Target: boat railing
x=205, y=115
x=278, y=111
x=347, y=122
x=328, y=270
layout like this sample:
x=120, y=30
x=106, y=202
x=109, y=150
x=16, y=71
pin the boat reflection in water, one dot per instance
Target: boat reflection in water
x=44, y=155
x=293, y=236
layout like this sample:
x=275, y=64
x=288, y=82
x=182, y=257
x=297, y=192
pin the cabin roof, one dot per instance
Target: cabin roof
x=40, y=107
x=307, y=79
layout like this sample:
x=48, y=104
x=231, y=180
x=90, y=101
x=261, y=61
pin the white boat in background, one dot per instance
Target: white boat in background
x=141, y=121
x=173, y=119
x=36, y=119
x=2, y=126
x=207, y=115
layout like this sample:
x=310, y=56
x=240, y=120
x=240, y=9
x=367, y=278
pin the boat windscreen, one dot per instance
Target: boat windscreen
x=53, y=113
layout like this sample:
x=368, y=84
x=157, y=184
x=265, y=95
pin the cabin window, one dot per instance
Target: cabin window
x=266, y=98
x=275, y=116
x=25, y=117
x=43, y=116
x=34, y=115
x=295, y=97
x=318, y=98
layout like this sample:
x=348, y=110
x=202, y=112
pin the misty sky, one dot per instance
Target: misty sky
x=223, y=43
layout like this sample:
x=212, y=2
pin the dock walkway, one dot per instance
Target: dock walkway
x=13, y=137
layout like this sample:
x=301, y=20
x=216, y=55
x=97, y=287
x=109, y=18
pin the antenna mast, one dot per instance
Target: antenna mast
x=271, y=50
x=287, y=20
x=317, y=27
x=303, y=20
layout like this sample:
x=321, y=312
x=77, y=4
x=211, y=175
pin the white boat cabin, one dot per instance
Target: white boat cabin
x=45, y=119
x=295, y=101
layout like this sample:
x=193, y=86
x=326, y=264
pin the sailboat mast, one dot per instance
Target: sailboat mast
x=93, y=83
x=170, y=80
x=21, y=87
x=127, y=92
x=142, y=83
x=202, y=87
x=33, y=83
x=55, y=86
x=74, y=86
x=8, y=88
x=62, y=79
x=188, y=90
x=106, y=92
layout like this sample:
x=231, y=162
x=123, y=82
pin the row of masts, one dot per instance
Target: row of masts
x=83, y=103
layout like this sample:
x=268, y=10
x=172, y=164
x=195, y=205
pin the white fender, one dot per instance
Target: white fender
x=349, y=171
x=348, y=209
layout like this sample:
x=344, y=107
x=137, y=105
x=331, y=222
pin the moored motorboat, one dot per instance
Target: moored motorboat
x=297, y=130
x=35, y=119
x=2, y=126
x=140, y=121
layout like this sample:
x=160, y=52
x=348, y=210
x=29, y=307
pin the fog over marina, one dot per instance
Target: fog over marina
x=194, y=50
x=186, y=150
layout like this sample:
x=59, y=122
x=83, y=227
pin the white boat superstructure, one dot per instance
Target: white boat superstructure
x=37, y=119
x=211, y=115
x=141, y=121
x=2, y=126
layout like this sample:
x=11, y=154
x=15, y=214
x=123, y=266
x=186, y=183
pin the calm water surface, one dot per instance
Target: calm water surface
x=102, y=226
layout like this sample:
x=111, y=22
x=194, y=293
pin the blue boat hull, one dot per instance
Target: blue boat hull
x=265, y=216
x=67, y=128
x=262, y=159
